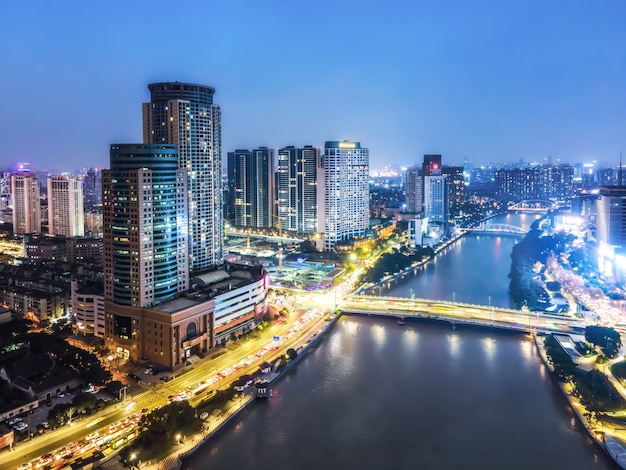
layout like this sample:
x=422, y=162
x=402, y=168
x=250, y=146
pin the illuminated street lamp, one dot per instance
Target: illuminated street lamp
x=178, y=438
x=132, y=458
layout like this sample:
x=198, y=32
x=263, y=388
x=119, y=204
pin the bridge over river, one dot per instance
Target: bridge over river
x=460, y=313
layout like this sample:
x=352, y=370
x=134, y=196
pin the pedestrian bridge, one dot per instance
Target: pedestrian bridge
x=496, y=228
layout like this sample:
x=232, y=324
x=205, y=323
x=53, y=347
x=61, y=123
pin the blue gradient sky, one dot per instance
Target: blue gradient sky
x=476, y=80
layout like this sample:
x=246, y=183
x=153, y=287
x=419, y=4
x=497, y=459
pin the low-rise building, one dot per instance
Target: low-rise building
x=222, y=304
x=88, y=309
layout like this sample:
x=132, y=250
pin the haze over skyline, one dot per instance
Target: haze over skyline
x=486, y=81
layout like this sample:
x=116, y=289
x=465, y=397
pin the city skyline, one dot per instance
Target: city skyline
x=486, y=82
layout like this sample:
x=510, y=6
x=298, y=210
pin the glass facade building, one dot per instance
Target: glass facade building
x=145, y=225
x=184, y=114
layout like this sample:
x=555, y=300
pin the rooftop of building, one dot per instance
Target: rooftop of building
x=210, y=284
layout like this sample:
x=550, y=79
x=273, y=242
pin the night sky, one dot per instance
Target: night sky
x=473, y=80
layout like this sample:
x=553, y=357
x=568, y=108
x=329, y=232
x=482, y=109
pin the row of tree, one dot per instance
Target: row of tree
x=528, y=261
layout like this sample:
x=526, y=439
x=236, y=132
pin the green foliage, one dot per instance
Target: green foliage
x=85, y=363
x=164, y=422
x=534, y=248
x=606, y=338
x=84, y=402
x=307, y=246
x=394, y=261
x=564, y=367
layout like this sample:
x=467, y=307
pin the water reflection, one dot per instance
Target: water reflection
x=454, y=345
x=379, y=335
x=489, y=346
x=526, y=348
x=409, y=339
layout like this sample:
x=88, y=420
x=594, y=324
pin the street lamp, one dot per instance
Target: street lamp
x=178, y=438
x=132, y=458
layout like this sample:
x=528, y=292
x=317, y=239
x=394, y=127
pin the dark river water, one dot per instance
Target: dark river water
x=376, y=395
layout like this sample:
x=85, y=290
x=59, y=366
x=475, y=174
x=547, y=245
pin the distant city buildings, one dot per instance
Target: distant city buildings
x=65, y=206
x=25, y=196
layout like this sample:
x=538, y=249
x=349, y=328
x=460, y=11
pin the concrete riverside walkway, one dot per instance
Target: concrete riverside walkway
x=610, y=439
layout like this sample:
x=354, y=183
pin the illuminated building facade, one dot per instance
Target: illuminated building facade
x=297, y=188
x=251, y=187
x=184, y=114
x=65, y=206
x=343, y=203
x=25, y=195
x=145, y=225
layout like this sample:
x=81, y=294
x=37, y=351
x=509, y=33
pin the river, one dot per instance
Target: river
x=376, y=395
x=473, y=270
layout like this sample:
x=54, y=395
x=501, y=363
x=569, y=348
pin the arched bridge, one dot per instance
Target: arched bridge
x=497, y=228
x=533, y=205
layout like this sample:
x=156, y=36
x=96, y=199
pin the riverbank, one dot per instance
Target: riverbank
x=609, y=445
x=175, y=460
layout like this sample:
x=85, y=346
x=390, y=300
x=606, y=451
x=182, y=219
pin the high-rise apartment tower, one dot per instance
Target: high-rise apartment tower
x=297, y=188
x=184, y=114
x=65, y=206
x=343, y=205
x=25, y=195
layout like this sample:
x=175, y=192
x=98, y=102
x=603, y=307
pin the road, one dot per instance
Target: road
x=155, y=395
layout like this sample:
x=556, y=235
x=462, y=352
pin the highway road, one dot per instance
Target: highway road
x=151, y=396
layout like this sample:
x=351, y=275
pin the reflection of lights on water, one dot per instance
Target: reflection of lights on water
x=526, y=349
x=410, y=338
x=454, y=343
x=489, y=345
x=542, y=371
x=379, y=333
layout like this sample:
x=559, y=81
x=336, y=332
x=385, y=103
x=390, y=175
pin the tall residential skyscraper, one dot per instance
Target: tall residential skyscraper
x=145, y=245
x=251, y=187
x=25, y=195
x=343, y=205
x=65, y=206
x=414, y=190
x=184, y=114
x=297, y=188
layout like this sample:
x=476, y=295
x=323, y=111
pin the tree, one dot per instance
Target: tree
x=606, y=338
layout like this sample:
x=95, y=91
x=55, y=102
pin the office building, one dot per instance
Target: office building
x=251, y=187
x=297, y=188
x=25, y=195
x=414, y=190
x=611, y=216
x=436, y=195
x=65, y=206
x=184, y=114
x=145, y=226
x=343, y=203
